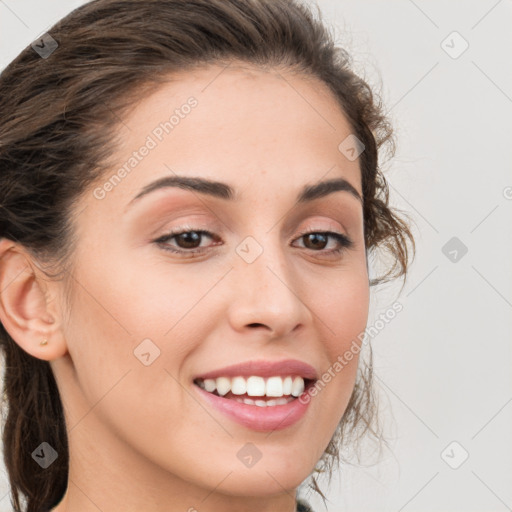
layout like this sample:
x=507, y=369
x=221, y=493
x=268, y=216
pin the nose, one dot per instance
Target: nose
x=266, y=295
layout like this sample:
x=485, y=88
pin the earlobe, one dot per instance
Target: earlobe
x=25, y=311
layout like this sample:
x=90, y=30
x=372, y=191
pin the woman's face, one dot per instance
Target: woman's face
x=243, y=286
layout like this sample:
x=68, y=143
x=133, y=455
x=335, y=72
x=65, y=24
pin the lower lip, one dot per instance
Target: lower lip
x=262, y=419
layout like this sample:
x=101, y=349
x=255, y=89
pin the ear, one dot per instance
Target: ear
x=28, y=311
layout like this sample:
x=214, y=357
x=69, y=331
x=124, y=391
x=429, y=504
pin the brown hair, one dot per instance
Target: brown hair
x=58, y=115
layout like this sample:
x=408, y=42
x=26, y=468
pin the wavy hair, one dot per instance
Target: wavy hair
x=58, y=117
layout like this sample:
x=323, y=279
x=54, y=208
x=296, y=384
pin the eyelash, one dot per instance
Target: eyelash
x=344, y=242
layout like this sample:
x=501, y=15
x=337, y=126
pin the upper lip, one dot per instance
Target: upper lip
x=264, y=369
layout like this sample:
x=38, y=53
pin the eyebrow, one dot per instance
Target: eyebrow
x=224, y=191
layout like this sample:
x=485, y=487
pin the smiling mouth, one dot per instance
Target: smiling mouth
x=257, y=390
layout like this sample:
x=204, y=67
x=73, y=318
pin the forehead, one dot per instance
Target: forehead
x=239, y=123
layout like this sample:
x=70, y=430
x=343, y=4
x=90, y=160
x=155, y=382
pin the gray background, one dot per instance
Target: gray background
x=443, y=364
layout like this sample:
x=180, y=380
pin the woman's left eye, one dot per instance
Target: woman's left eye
x=319, y=240
x=188, y=241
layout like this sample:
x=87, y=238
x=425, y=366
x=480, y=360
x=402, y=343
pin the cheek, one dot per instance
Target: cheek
x=342, y=311
x=158, y=296
x=133, y=300
x=349, y=319
x=113, y=331
x=123, y=310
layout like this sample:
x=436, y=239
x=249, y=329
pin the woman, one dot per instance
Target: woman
x=190, y=196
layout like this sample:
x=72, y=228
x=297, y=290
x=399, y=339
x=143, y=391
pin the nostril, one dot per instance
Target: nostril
x=256, y=325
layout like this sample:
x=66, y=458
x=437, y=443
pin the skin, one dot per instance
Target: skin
x=139, y=440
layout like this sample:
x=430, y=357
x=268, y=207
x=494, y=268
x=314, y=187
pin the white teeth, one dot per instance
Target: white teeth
x=287, y=386
x=279, y=401
x=273, y=387
x=223, y=385
x=256, y=386
x=210, y=385
x=297, y=386
x=238, y=386
x=265, y=403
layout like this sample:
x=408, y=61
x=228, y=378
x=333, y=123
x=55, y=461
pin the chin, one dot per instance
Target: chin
x=280, y=472
x=260, y=483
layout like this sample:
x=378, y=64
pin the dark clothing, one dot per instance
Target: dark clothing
x=302, y=506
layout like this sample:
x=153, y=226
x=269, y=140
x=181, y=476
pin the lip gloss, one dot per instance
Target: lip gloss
x=262, y=419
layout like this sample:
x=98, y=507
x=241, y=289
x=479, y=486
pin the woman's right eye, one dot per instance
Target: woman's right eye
x=185, y=241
